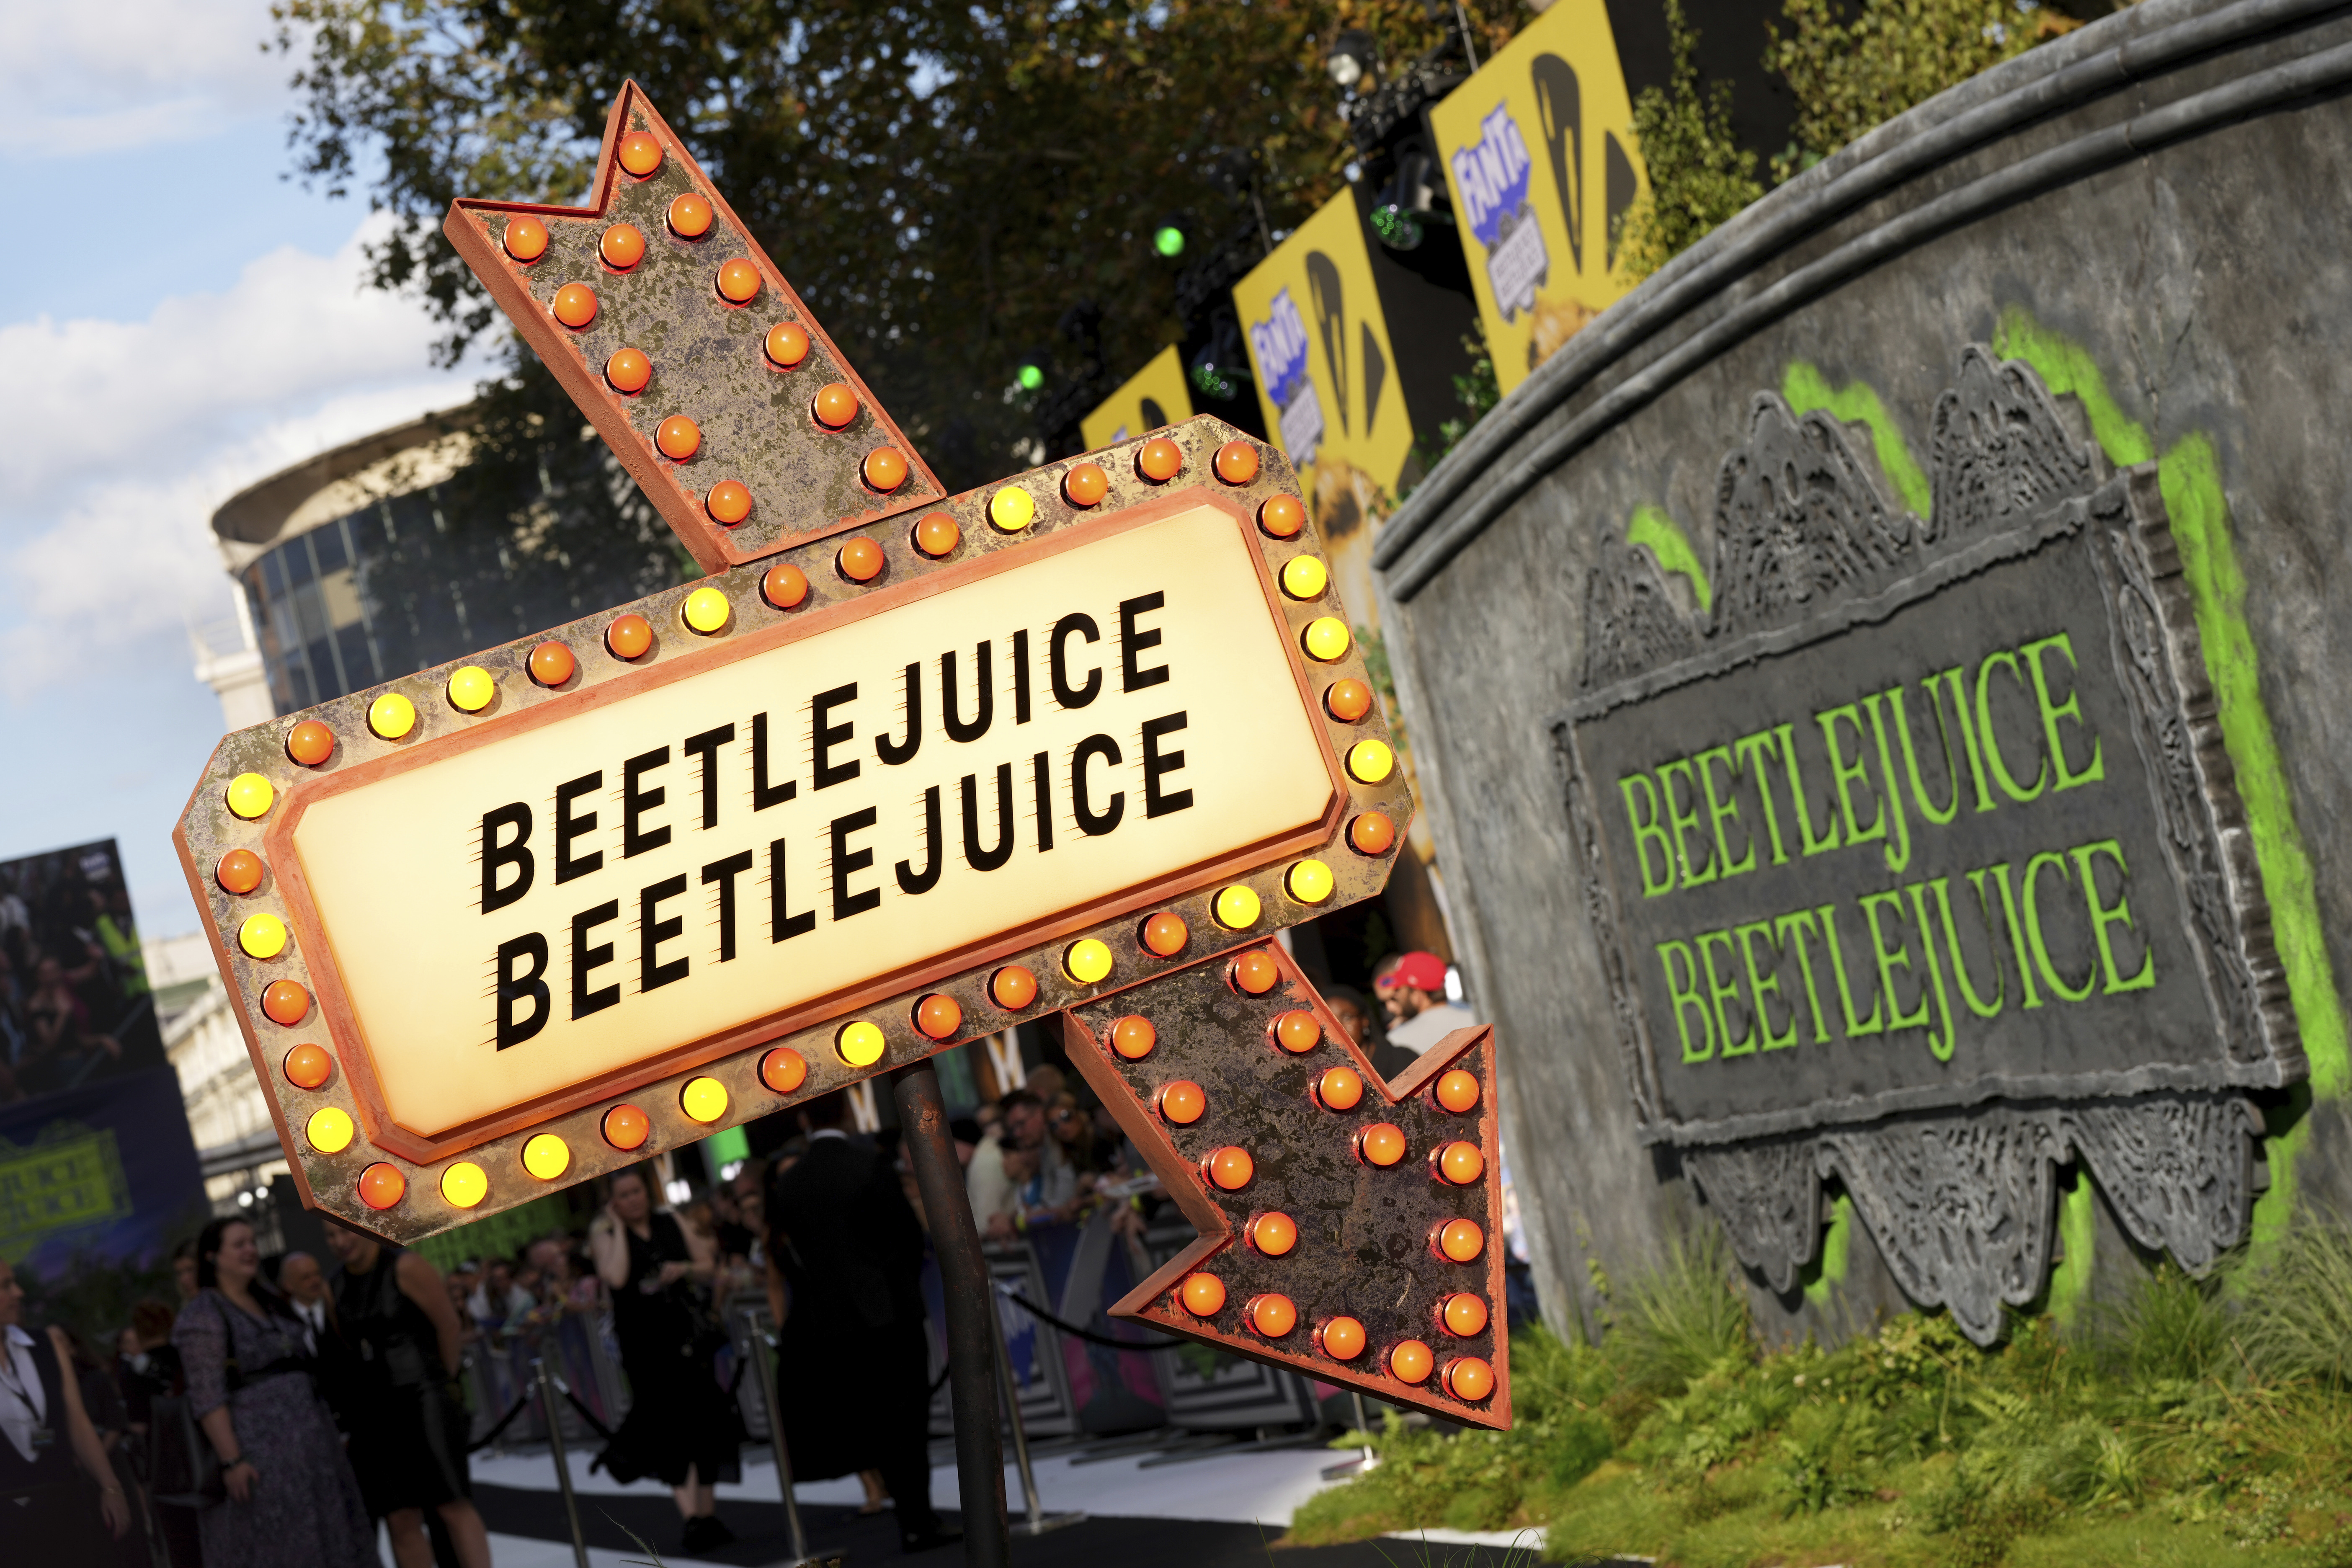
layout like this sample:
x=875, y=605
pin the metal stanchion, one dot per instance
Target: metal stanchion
x=1039, y=1522
x=970, y=1314
x=562, y=1469
x=764, y=1361
x=1364, y=1461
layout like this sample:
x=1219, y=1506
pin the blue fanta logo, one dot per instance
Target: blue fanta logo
x=1280, y=344
x=1491, y=173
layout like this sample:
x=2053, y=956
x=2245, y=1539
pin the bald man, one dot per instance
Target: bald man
x=305, y=1284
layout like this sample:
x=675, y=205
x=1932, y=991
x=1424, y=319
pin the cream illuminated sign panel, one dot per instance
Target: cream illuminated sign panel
x=625, y=878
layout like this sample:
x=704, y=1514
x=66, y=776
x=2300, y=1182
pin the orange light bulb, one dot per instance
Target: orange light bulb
x=938, y=1015
x=1273, y=1234
x=1347, y=700
x=1411, y=1363
x=628, y=372
x=1281, y=516
x=690, y=217
x=1229, y=1168
x=629, y=636
x=786, y=345
x=285, y=1003
x=1159, y=460
x=937, y=534
x=1133, y=1037
x=526, y=238
x=1382, y=1144
x=886, y=469
x=835, y=405
x=678, y=437
x=1457, y=1091
x=1298, y=1032
x=1469, y=1379
x=640, y=154
x=1182, y=1102
x=1271, y=1315
x=381, y=1185
x=552, y=663
x=783, y=1070
x=1462, y=1315
x=1165, y=933
x=621, y=247
x=1086, y=485
x=309, y=743
x=1255, y=972
x=1237, y=462
x=238, y=871
x=626, y=1127
x=739, y=281
x=1459, y=1163
x=784, y=585
x=309, y=1066
x=1341, y=1338
x=1373, y=832
x=575, y=305
x=1457, y=1240
x=1204, y=1295
x=861, y=559
x=729, y=502
x=1012, y=988
x=1339, y=1088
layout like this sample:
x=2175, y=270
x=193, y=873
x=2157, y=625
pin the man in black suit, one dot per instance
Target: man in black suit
x=844, y=1276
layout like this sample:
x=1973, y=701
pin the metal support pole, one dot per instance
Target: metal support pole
x=555, y=1448
x=971, y=1313
x=1039, y=1522
x=763, y=1358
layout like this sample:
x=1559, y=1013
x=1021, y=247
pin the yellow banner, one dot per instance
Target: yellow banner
x=1155, y=395
x=1539, y=154
x=1327, y=378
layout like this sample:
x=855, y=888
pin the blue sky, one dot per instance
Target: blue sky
x=179, y=322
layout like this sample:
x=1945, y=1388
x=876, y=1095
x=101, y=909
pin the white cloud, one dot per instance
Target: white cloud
x=126, y=435
x=90, y=77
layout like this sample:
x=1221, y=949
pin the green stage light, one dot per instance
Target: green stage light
x=1169, y=240
x=1031, y=377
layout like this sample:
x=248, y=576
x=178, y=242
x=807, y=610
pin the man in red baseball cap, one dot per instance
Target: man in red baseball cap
x=1412, y=987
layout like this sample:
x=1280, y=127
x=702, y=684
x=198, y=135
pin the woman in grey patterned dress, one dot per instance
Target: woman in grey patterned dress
x=292, y=1499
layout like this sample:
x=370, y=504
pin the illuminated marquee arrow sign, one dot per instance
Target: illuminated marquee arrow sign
x=905, y=769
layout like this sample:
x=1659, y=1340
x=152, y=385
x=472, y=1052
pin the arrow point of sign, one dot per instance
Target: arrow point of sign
x=1367, y=1174
x=684, y=345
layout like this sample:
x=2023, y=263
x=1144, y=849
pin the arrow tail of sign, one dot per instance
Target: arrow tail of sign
x=1343, y=1250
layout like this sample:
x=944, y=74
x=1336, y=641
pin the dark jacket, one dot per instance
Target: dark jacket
x=847, y=1242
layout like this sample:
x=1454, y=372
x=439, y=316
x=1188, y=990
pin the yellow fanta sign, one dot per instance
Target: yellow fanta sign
x=1152, y=397
x=1327, y=375
x=1540, y=157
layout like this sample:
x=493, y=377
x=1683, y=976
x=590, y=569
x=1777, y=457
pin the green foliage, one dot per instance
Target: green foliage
x=939, y=181
x=1851, y=75
x=2298, y=1327
x=2153, y=1434
x=1699, y=174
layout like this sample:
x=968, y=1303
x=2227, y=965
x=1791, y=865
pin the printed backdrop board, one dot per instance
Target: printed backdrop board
x=1542, y=165
x=1153, y=396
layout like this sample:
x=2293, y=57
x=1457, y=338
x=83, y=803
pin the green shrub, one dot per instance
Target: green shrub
x=1685, y=1318
x=1699, y=174
x=2168, y=1328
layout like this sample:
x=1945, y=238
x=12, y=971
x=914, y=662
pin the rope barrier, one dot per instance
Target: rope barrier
x=1075, y=1332
x=491, y=1436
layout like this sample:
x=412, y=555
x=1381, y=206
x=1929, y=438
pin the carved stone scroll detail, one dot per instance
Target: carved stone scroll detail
x=2001, y=453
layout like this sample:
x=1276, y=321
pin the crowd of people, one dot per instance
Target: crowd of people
x=74, y=1001
x=276, y=1416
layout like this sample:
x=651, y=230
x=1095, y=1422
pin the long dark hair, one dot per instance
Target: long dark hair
x=208, y=1249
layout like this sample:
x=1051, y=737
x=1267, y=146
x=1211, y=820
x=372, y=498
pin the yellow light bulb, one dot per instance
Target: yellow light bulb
x=329, y=1130
x=1237, y=908
x=1012, y=509
x=250, y=795
x=705, y=610
x=547, y=1156
x=472, y=688
x=1327, y=638
x=704, y=1098
x=464, y=1184
x=861, y=1044
x=1371, y=761
x=263, y=936
x=1310, y=881
x=391, y=715
x=1306, y=578
x=1088, y=962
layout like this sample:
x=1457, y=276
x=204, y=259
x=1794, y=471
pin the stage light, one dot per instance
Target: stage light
x=1352, y=61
